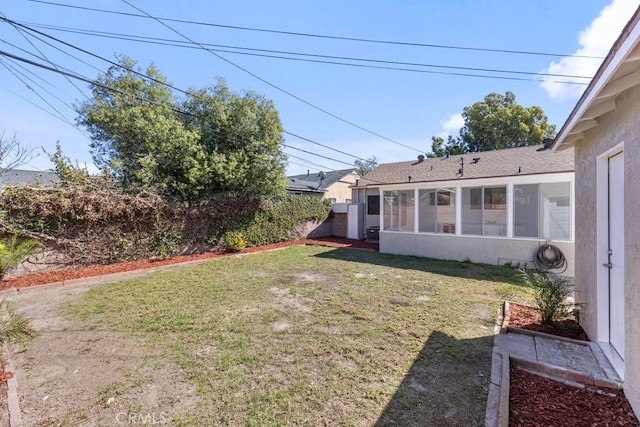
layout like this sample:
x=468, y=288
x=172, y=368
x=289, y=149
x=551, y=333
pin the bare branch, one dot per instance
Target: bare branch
x=13, y=153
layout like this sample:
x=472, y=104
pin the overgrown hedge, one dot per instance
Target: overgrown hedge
x=94, y=224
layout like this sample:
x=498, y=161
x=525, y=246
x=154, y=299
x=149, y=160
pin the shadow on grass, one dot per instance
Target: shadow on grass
x=466, y=270
x=447, y=384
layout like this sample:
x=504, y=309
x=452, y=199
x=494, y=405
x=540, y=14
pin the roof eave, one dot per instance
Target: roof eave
x=623, y=51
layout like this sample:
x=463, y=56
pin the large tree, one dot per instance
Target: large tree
x=210, y=141
x=496, y=122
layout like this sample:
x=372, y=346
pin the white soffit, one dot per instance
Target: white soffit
x=622, y=73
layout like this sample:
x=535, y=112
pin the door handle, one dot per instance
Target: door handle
x=608, y=265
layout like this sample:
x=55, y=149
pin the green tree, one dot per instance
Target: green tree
x=495, y=123
x=241, y=137
x=440, y=148
x=211, y=141
x=365, y=166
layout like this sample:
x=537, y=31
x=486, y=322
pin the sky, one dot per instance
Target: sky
x=361, y=112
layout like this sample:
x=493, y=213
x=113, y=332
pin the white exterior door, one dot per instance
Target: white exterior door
x=616, y=252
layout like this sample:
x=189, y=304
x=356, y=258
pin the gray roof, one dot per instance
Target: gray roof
x=15, y=177
x=314, y=182
x=487, y=164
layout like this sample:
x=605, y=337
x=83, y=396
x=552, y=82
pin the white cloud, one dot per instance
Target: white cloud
x=595, y=40
x=452, y=125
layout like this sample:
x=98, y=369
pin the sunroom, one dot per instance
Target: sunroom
x=499, y=207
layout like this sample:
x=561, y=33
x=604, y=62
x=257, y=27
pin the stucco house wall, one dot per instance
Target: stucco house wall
x=620, y=126
x=480, y=249
x=341, y=189
x=502, y=208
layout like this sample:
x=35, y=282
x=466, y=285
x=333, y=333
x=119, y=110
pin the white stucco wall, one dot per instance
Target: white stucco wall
x=341, y=190
x=619, y=126
x=481, y=249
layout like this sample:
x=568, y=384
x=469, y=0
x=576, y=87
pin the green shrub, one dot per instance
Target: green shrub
x=13, y=327
x=12, y=252
x=549, y=295
x=233, y=241
x=97, y=223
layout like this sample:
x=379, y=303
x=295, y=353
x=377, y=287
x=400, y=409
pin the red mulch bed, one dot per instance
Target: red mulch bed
x=522, y=316
x=42, y=278
x=538, y=401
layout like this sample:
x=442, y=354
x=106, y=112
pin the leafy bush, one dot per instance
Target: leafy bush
x=99, y=223
x=233, y=241
x=550, y=296
x=12, y=252
x=13, y=327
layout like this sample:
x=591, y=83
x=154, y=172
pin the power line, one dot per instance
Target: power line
x=221, y=48
x=149, y=78
x=58, y=114
x=105, y=87
x=317, y=155
x=321, y=36
x=322, y=145
x=309, y=162
x=41, y=53
x=273, y=85
x=38, y=84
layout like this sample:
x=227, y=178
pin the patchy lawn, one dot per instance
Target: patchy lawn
x=301, y=336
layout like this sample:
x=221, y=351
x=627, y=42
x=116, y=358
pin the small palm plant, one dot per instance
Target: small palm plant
x=550, y=296
x=13, y=252
x=13, y=327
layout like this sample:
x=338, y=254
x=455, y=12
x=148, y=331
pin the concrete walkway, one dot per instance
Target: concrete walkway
x=562, y=359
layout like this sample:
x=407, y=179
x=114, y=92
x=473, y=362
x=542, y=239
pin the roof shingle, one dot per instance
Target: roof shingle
x=487, y=164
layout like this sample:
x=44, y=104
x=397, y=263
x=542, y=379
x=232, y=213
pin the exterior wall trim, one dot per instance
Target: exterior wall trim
x=521, y=179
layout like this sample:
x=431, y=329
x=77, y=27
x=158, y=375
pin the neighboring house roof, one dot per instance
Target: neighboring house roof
x=24, y=177
x=318, y=182
x=619, y=71
x=487, y=164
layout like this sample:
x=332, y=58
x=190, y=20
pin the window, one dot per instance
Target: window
x=525, y=210
x=332, y=200
x=555, y=210
x=484, y=211
x=495, y=198
x=398, y=213
x=347, y=200
x=542, y=210
x=437, y=211
x=373, y=205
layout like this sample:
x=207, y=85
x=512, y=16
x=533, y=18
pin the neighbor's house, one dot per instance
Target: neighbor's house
x=604, y=131
x=333, y=185
x=18, y=177
x=491, y=207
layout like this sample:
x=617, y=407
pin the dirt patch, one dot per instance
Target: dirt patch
x=74, y=374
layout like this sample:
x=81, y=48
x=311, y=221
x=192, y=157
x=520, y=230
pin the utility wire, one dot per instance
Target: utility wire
x=105, y=87
x=222, y=48
x=309, y=165
x=57, y=114
x=321, y=36
x=317, y=155
x=322, y=145
x=309, y=162
x=273, y=85
x=41, y=53
x=149, y=78
x=23, y=68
